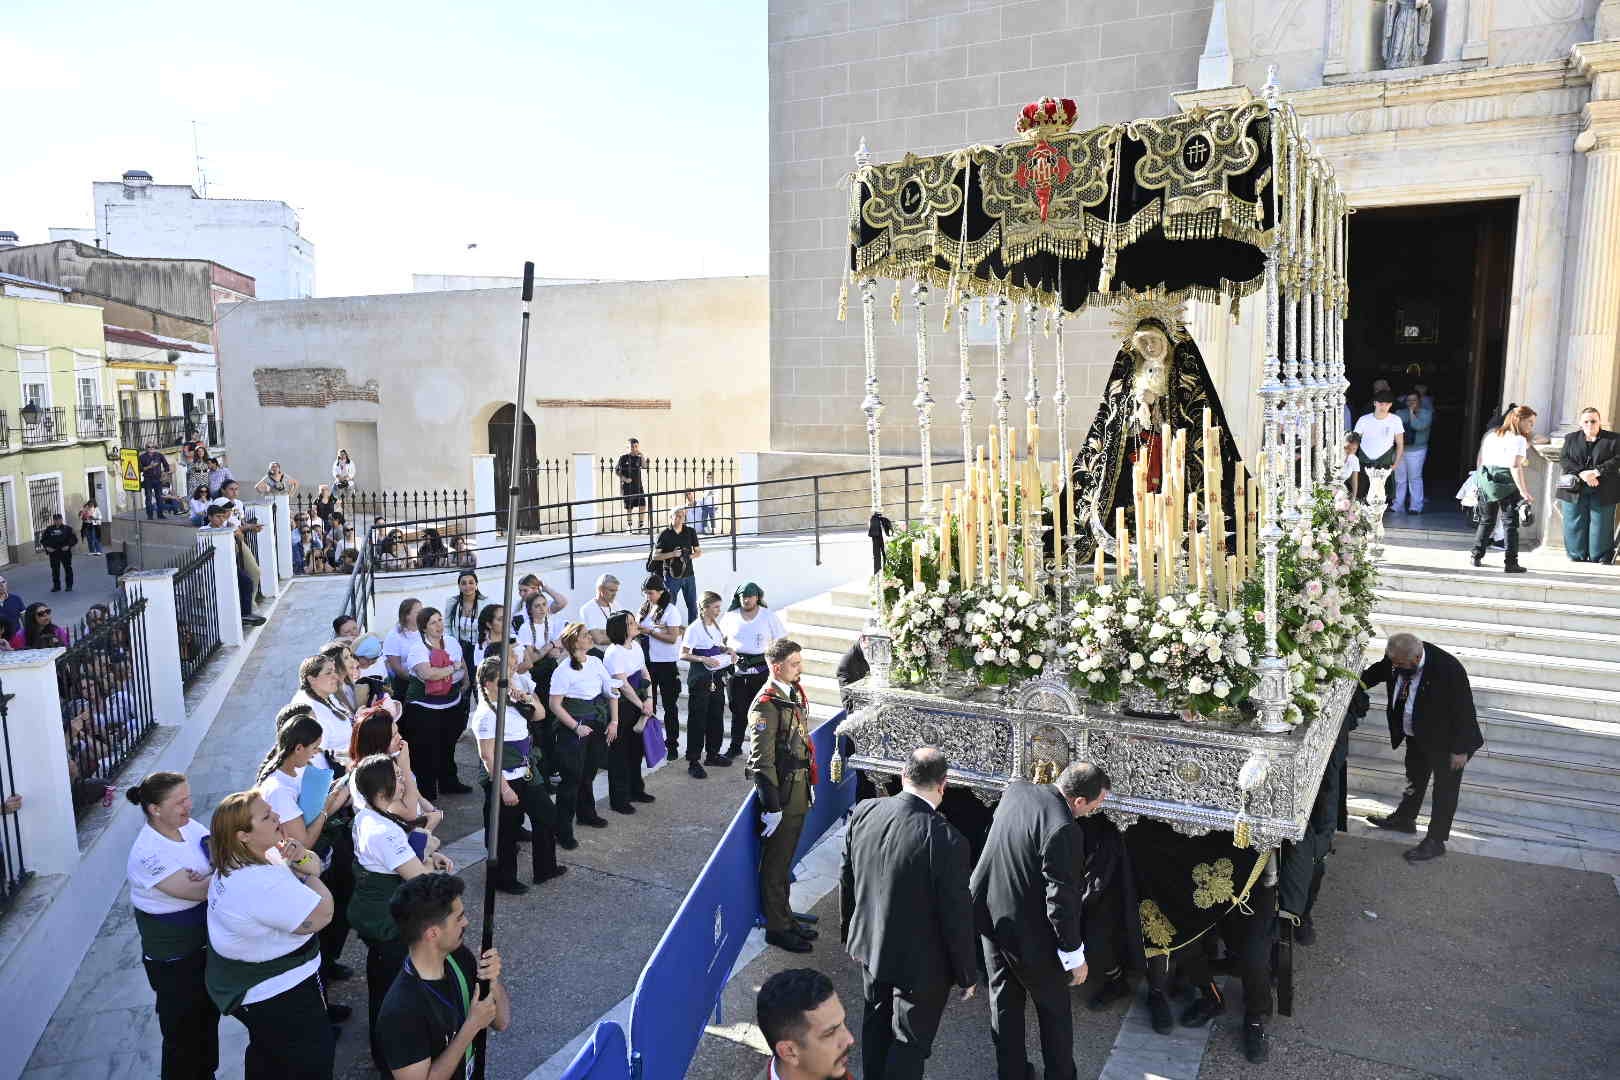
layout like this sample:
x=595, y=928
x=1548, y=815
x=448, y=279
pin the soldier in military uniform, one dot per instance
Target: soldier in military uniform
x=783, y=768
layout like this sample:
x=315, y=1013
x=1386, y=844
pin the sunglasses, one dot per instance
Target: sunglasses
x=43, y=614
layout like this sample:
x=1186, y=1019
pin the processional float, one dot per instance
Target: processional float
x=1188, y=621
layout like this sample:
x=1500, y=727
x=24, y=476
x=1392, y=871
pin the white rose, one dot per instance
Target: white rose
x=997, y=636
x=1010, y=655
x=1126, y=677
x=937, y=603
x=1178, y=617
x=1024, y=599
x=1194, y=599
x=1131, y=622
x=1105, y=591
x=1242, y=657
x=1159, y=656
x=1036, y=660
x=1197, y=685
x=952, y=622
x=1167, y=603
x=1234, y=618
x=1133, y=604
x=1189, y=636
x=1095, y=676
x=1212, y=641
x=1137, y=660
x=1222, y=688
x=1214, y=653
x=1015, y=635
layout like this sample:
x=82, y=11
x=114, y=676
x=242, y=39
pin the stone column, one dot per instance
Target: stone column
x=227, y=601
x=37, y=759
x=1549, y=507
x=162, y=643
x=483, y=474
x=282, y=505
x=1589, y=374
x=748, y=508
x=266, y=550
x=586, y=513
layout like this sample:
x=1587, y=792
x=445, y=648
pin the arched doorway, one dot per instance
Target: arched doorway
x=500, y=445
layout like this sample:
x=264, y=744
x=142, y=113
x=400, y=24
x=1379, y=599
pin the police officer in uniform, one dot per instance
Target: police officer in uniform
x=783, y=768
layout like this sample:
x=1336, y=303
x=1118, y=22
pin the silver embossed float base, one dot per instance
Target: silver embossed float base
x=1186, y=774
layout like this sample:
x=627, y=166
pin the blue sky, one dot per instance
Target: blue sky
x=600, y=140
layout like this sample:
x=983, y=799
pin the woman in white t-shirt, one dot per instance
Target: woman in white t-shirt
x=709, y=657
x=523, y=794
x=1502, y=485
x=397, y=645
x=750, y=627
x=661, y=632
x=169, y=874
x=434, y=719
x=266, y=906
x=376, y=731
x=343, y=472
x=582, y=704
x=384, y=855
x=320, y=682
x=627, y=664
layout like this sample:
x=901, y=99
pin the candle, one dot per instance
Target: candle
x=1068, y=487
x=916, y=562
x=1233, y=579
x=1240, y=508
x=965, y=537
x=1034, y=436
x=1001, y=554
x=1198, y=561
x=981, y=522
x=1097, y=572
x=944, y=537
x=1123, y=565
x=1057, y=520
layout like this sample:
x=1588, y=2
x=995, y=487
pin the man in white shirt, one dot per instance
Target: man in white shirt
x=799, y=1013
x=1383, y=437
x=595, y=611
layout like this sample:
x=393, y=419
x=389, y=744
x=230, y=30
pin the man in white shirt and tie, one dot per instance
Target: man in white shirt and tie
x=1431, y=709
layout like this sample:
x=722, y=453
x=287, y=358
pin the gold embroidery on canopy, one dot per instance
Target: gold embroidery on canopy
x=1155, y=927
x=1213, y=883
x=905, y=201
x=1192, y=158
x=1039, y=189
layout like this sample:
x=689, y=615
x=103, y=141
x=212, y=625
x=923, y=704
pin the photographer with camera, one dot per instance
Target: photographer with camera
x=675, y=552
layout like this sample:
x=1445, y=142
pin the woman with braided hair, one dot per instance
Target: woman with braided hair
x=376, y=731
x=280, y=781
x=582, y=701
x=320, y=681
x=522, y=793
x=385, y=855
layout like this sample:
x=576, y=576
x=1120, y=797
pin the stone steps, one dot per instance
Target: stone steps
x=1576, y=807
x=1583, y=618
x=1449, y=632
x=1541, y=673
x=1564, y=737
x=1515, y=762
x=1590, y=588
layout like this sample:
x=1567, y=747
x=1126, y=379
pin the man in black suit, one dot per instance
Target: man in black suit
x=1431, y=707
x=1027, y=908
x=907, y=917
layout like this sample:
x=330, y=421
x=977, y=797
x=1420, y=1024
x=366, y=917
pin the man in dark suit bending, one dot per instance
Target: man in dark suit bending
x=907, y=917
x=1431, y=708
x=1027, y=908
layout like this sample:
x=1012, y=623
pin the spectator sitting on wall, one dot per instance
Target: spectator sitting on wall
x=276, y=482
x=218, y=518
x=351, y=556
x=342, y=472
x=11, y=609
x=432, y=553
x=218, y=473
x=38, y=631
x=199, y=505
x=173, y=503
x=315, y=562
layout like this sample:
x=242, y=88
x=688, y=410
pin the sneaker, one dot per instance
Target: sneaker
x=717, y=761
x=625, y=809
x=696, y=771
x=253, y=620
x=1255, y=1047
x=734, y=752
x=1392, y=823
x=1159, y=1009
x=1305, y=932
x=594, y=823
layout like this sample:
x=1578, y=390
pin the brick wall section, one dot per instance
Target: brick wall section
x=929, y=76
x=309, y=388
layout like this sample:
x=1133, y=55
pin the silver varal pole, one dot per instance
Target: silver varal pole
x=964, y=385
x=924, y=402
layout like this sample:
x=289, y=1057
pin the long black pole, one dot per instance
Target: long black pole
x=492, y=835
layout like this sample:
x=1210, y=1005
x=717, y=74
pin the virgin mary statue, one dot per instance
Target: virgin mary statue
x=1158, y=378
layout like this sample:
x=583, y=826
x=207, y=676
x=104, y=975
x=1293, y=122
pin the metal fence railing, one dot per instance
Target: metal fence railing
x=14, y=873
x=164, y=430
x=97, y=422
x=357, y=601
x=106, y=693
x=47, y=425
x=545, y=485
x=661, y=486
x=196, y=611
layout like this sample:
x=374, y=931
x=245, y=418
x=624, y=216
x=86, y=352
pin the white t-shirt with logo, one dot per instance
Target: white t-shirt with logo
x=336, y=729
x=252, y=914
x=380, y=845
x=398, y=643
x=154, y=857
x=752, y=635
x=1377, y=436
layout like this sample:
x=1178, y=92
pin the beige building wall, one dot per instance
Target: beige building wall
x=679, y=364
x=929, y=76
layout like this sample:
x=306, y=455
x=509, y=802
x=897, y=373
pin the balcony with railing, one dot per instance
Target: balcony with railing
x=43, y=426
x=5, y=432
x=166, y=431
x=97, y=422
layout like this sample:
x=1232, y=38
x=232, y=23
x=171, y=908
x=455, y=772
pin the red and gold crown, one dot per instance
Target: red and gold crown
x=1047, y=117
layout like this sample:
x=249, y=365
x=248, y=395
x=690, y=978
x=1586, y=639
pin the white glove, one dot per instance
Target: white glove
x=771, y=819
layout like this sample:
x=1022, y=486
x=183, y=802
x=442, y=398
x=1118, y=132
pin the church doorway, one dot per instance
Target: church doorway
x=500, y=445
x=1429, y=299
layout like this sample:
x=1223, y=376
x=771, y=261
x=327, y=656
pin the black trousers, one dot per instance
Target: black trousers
x=705, y=716
x=624, y=756
x=536, y=805
x=1009, y=986
x=666, y=680
x=578, y=761
x=1420, y=764
x=384, y=959
x=1248, y=943
x=1488, y=512
x=743, y=690
x=289, y=1037
x=339, y=881
x=61, y=564
x=423, y=729
x=186, y=1016
x=898, y=1028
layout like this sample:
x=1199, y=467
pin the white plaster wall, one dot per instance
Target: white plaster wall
x=254, y=236
x=445, y=361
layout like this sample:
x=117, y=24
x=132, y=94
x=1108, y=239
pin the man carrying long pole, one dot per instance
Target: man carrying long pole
x=513, y=497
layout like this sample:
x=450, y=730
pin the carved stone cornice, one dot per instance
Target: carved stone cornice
x=1456, y=85
x=1599, y=63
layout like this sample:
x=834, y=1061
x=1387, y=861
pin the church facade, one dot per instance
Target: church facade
x=1477, y=140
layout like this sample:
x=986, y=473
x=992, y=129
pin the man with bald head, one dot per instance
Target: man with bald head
x=907, y=916
x=1431, y=708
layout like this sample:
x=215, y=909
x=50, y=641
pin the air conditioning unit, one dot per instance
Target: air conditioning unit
x=148, y=380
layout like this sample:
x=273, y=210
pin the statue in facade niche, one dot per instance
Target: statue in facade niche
x=1406, y=32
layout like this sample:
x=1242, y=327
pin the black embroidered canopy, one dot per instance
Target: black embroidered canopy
x=1182, y=206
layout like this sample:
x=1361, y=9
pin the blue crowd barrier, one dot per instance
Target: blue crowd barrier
x=605, y=1057
x=681, y=986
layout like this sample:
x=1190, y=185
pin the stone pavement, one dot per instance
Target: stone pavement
x=91, y=585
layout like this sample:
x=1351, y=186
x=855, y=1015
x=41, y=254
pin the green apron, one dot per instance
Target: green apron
x=1495, y=483
x=229, y=980
x=368, y=905
x=173, y=935
x=592, y=712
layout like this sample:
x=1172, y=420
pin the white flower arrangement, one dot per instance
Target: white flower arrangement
x=1009, y=634
x=927, y=629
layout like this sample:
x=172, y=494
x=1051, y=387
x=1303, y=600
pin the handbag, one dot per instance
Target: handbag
x=1468, y=494
x=652, y=741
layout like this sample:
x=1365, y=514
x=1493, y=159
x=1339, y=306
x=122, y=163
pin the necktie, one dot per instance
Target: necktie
x=1400, y=702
